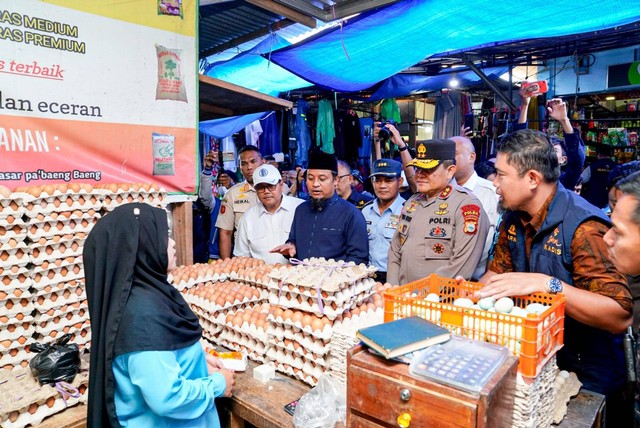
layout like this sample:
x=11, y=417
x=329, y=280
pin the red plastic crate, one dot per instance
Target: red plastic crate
x=534, y=339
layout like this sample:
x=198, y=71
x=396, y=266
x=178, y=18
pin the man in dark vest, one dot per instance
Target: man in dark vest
x=551, y=241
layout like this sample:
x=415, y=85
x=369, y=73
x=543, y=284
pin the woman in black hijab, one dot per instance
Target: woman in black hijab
x=147, y=365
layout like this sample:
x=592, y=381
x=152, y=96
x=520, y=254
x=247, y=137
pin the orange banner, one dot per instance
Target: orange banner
x=37, y=151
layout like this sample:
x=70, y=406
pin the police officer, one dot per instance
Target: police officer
x=383, y=213
x=442, y=228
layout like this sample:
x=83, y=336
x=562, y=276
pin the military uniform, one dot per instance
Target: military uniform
x=444, y=235
x=236, y=202
x=358, y=199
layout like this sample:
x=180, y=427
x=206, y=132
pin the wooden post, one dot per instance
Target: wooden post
x=183, y=232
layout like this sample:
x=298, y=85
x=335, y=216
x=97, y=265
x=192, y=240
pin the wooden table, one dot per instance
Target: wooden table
x=585, y=410
x=261, y=404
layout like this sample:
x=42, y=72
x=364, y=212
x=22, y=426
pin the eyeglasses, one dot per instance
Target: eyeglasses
x=263, y=187
x=340, y=177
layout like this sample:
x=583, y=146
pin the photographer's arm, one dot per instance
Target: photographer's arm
x=405, y=156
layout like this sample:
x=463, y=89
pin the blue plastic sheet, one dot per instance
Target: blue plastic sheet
x=377, y=45
x=221, y=128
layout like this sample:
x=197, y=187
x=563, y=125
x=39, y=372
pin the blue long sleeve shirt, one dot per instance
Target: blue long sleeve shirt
x=337, y=232
x=166, y=389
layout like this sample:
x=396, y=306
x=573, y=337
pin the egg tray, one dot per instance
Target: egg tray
x=14, y=277
x=317, y=346
x=53, y=332
x=75, y=318
x=209, y=329
x=258, y=276
x=330, y=310
x=287, y=323
x=53, y=251
x=58, y=274
x=61, y=311
x=12, y=206
x=70, y=262
x=14, y=330
x=113, y=200
x=12, y=307
x=340, y=297
x=18, y=255
x=16, y=231
x=15, y=358
x=63, y=216
x=252, y=354
x=50, y=204
x=184, y=285
x=19, y=343
x=213, y=307
x=300, y=374
x=47, y=229
x=13, y=294
x=58, y=298
x=338, y=348
x=294, y=348
x=19, y=318
x=251, y=330
x=26, y=403
x=326, y=275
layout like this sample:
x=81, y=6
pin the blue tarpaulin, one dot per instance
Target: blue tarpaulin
x=221, y=128
x=402, y=85
x=376, y=45
x=250, y=70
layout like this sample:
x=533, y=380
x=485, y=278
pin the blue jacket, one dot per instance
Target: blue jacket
x=337, y=232
x=595, y=355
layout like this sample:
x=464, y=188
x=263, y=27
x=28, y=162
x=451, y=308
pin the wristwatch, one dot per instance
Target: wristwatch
x=554, y=285
x=403, y=148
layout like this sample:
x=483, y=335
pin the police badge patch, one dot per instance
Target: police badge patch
x=438, y=232
x=471, y=215
x=438, y=248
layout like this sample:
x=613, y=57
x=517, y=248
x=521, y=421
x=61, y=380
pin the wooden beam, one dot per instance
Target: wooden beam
x=285, y=11
x=216, y=110
x=246, y=91
x=183, y=232
x=278, y=25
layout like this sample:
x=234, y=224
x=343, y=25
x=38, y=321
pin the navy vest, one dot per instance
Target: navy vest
x=595, y=355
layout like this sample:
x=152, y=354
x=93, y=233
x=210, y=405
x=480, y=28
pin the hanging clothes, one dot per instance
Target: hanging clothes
x=252, y=133
x=389, y=110
x=348, y=136
x=447, y=117
x=303, y=137
x=325, y=132
x=366, y=132
x=270, y=136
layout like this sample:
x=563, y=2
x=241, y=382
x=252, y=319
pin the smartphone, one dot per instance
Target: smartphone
x=468, y=121
x=291, y=407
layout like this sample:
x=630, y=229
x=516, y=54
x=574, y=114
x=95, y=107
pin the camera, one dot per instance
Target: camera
x=384, y=134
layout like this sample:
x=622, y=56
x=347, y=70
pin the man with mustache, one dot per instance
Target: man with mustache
x=442, y=228
x=326, y=225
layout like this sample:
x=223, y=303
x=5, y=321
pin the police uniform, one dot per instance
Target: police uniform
x=236, y=202
x=444, y=234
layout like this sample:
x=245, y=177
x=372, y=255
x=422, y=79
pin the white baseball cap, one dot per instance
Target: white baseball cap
x=266, y=174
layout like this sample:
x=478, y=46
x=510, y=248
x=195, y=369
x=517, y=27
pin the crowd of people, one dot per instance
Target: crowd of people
x=515, y=225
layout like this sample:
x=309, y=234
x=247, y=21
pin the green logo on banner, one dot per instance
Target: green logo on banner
x=634, y=73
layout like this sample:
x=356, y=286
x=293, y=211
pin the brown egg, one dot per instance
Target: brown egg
x=13, y=416
x=50, y=402
x=317, y=325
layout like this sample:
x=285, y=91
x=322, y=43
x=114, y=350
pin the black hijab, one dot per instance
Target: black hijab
x=132, y=307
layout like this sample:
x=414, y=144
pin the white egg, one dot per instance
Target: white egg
x=518, y=311
x=463, y=302
x=504, y=305
x=487, y=302
x=535, y=308
x=432, y=297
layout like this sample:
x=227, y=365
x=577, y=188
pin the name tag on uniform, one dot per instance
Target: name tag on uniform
x=394, y=220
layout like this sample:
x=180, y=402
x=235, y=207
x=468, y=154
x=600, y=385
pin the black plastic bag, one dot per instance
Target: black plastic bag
x=57, y=362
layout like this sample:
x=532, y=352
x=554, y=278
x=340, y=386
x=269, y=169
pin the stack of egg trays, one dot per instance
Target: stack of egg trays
x=246, y=337
x=58, y=225
x=16, y=302
x=114, y=195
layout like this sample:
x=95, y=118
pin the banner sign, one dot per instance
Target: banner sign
x=100, y=91
x=621, y=75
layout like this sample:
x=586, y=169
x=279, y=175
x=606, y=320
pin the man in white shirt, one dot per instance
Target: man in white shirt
x=484, y=190
x=269, y=221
